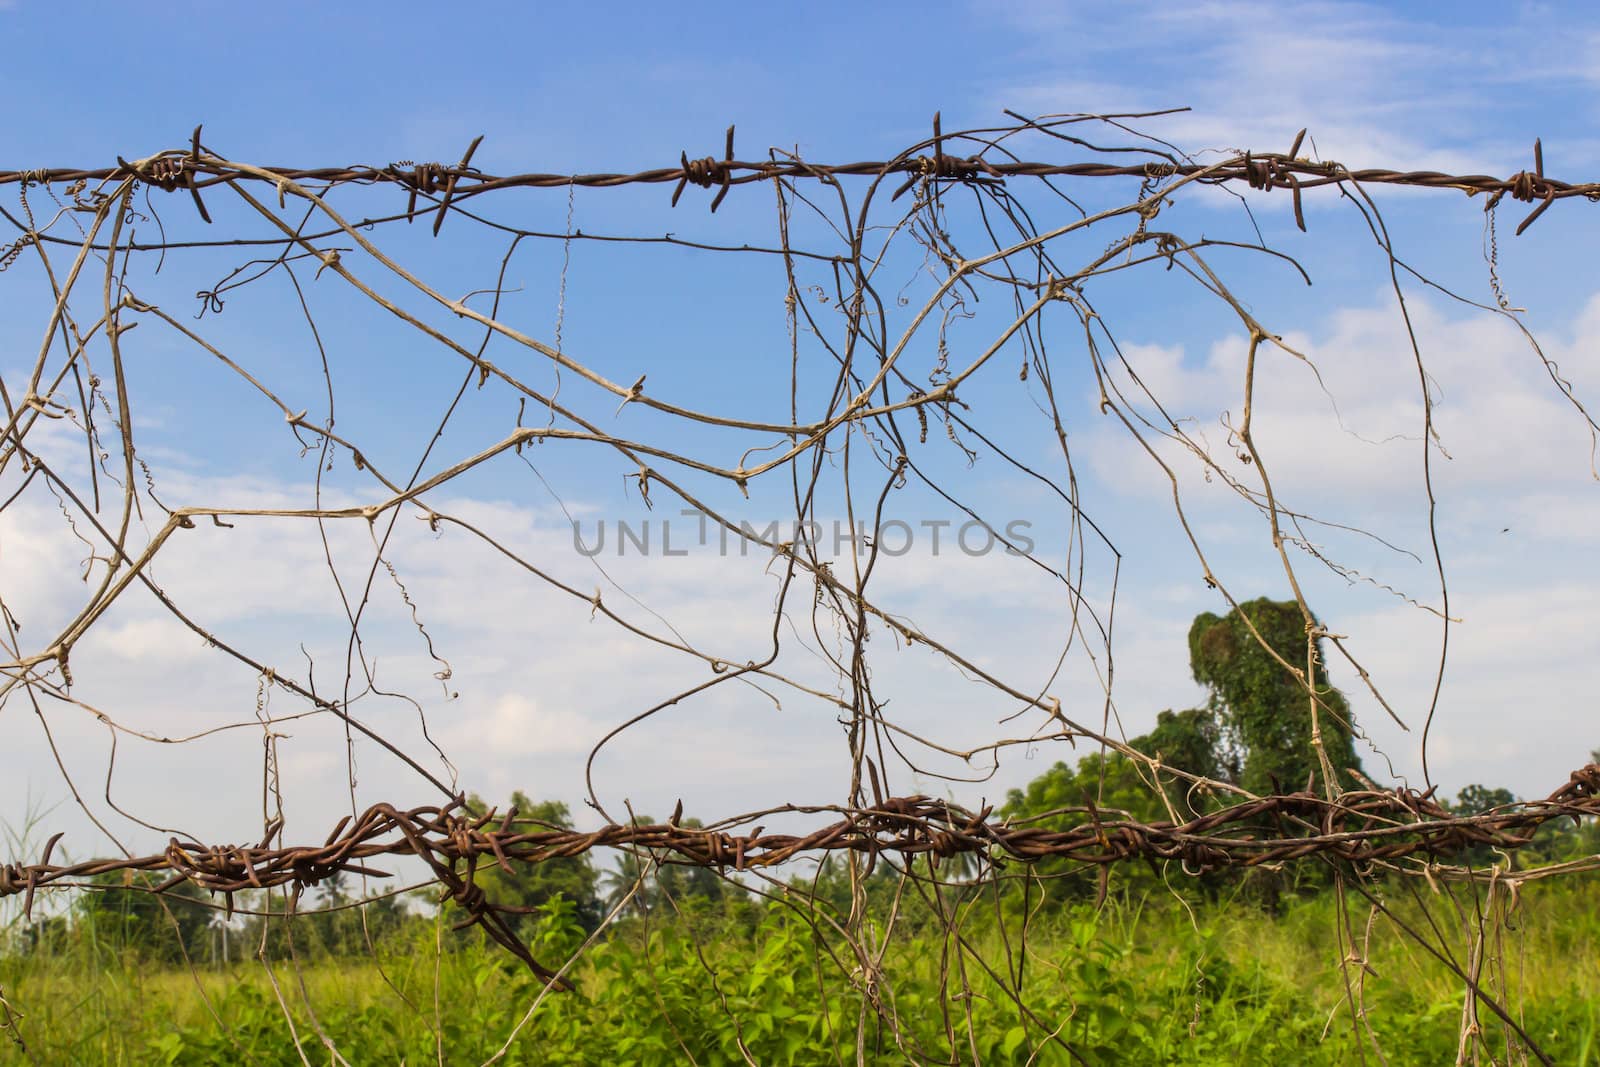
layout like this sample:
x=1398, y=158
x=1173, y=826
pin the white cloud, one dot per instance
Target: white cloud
x=1349, y=431
x=1518, y=704
x=540, y=677
x=1375, y=87
x=155, y=637
x=519, y=725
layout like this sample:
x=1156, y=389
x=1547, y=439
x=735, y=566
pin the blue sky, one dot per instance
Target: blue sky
x=561, y=89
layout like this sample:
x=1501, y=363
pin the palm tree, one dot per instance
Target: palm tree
x=634, y=874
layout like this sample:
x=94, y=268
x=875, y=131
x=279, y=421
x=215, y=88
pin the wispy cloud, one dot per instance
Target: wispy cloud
x=1346, y=423
x=1373, y=85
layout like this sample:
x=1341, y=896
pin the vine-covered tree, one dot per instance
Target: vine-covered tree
x=1120, y=787
x=1265, y=707
x=1254, y=731
x=1190, y=741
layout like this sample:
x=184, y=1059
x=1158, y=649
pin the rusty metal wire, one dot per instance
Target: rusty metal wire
x=1359, y=829
x=196, y=171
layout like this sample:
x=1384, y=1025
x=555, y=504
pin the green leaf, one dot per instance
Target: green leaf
x=1014, y=1037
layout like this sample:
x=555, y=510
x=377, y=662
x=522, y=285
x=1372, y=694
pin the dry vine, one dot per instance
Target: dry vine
x=859, y=430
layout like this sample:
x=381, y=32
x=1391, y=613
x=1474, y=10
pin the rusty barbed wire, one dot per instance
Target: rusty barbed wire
x=195, y=171
x=1358, y=828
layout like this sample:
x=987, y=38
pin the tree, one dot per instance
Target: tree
x=683, y=883
x=1477, y=799
x=1263, y=706
x=126, y=917
x=618, y=883
x=659, y=878
x=1557, y=840
x=1190, y=741
x=829, y=886
x=46, y=935
x=1116, y=786
x=1255, y=732
x=531, y=885
x=1110, y=781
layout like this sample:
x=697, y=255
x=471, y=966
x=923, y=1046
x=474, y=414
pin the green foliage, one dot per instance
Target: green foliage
x=331, y=920
x=686, y=884
x=1189, y=741
x=651, y=880
x=531, y=886
x=1118, y=984
x=1264, y=708
x=829, y=884
x=1477, y=799
x=700, y=971
x=1110, y=781
x=1556, y=841
x=1560, y=841
x=1115, y=788
x=1255, y=730
x=125, y=919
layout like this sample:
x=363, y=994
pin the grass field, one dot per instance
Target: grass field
x=1132, y=982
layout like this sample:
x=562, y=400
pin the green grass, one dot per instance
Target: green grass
x=1131, y=983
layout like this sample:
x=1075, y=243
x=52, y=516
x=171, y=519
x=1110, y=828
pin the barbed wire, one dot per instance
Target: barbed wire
x=1358, y=828
x=195, y=171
